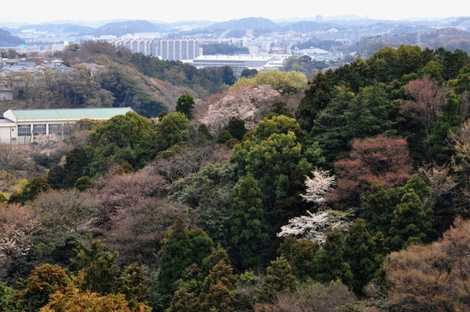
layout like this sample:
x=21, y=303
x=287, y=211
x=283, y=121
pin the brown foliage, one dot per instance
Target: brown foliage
x=16, y=159
x=433, y=277
x=137, y=230
x=66, y=211
x=427, y=103
x=119, y=192
x=133, y=216
x=189, y=161
x=16, y=225
x=377, y=161
x=313, y=297
x=461, y=164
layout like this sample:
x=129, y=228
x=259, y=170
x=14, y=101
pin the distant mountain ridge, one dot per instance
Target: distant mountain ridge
x=448, y=38
x=65, y=28
x=255, y=23
x=131, y=27
x=9, y=40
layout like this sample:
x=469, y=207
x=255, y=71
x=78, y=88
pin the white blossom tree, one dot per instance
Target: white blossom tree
x=318, y=186
x=315, y=226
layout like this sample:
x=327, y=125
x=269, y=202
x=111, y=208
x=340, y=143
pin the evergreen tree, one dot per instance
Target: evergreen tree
x=183, y=246
x=248, y=230
x=185, y=105
x=411, y=223
x=279, y=277
x=330, y=262
x=99, y=268
x=218, y=289
x=363, y=254
x=300, y=254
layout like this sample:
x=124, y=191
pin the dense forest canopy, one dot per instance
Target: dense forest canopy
x=357, y=202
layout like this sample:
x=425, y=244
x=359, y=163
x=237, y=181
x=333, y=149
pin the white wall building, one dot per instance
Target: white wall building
x=28, y=126
x=165, y=49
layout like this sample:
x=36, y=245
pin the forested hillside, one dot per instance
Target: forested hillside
x=357, y=198
x=99, y=75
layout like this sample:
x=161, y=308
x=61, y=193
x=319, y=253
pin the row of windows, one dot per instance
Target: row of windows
x=41, y=129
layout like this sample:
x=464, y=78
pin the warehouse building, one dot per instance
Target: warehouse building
x=28, y=126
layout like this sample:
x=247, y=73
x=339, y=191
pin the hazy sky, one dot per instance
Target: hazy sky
x=175, y=10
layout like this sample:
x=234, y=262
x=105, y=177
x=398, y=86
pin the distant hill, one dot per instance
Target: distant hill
x=254, y=23
x=448, y=38
x=130, y=27
x=462, y=23
x=8, y=40
x=240, y=27
x=309, y=26
x=65, y=28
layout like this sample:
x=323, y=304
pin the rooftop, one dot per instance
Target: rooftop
x=65, y=114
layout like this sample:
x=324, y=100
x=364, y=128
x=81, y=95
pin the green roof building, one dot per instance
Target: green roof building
x=27, y=126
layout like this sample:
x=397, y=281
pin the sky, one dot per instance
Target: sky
x=179, y=10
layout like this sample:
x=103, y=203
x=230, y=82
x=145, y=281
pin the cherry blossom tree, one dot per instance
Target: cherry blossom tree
x=315, y=226
x=318, y=186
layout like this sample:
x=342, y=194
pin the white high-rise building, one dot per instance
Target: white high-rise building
x=176, y=49
x=166, y=49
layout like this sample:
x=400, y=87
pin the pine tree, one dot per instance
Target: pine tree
x=248, y=230
x=363, y=253
x=279, y=277
x=330, y=261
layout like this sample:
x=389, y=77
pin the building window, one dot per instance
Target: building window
x=68, y=129
x=56, y=129
x=24, y=130
x=40, y=129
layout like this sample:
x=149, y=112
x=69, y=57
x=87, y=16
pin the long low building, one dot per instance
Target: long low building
x=28, y=126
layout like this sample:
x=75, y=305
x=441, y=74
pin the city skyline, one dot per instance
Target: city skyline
x=178, y=10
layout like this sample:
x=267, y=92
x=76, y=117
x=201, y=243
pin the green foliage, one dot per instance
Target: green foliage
x=236, y=128
x=248, y=73
x=300, y=255
x=216, y=179
x=185, y=105
x=181, y=248
x=349, y=116
x=248, y=234
x=317, y=97
x=403, y=215
x=363, y=252
x=303, y=64
x=218, y=289
x=133, y=283
x=128, y=90
x=330, y=261
x=209, y=291
x=284, y=82
x=123, y=140
x=7, y=299
x=30, y=191
x=279, y=277
x=76, y=164
x=203, y=81
x=98, y=267
x=172, y=129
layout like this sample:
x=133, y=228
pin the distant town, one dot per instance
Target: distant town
x=254, y=43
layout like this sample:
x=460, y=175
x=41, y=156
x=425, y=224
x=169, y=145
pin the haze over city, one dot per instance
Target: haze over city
x=177, y=10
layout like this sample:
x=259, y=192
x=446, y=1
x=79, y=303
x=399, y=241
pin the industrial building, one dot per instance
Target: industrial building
x=240, y=62
x=165, y=49
x=28, y=126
